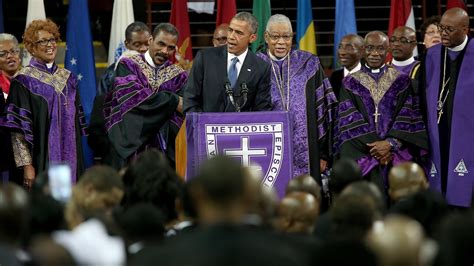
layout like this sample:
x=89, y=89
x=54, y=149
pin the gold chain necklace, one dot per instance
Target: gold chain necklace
x=279, y=81
x=442, y=98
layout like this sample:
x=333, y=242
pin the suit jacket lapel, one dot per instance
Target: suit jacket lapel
x=246, y=70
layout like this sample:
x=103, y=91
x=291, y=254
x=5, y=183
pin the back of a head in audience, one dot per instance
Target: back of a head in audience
x=219, y=191
x=405, y=179
x=261, y=201
x=398, y=242
x=98, y=191
x=456, y=239
x=428, y=207
x=45, y=252
x=353, y=213
x=13, y=213
x=141, y=225
x=297, y=213
x=304, y=183
x=150, y=179
x=344, y=172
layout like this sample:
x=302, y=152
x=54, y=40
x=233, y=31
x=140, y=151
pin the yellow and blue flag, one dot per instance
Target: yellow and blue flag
x=80, y=60
x=305, y=34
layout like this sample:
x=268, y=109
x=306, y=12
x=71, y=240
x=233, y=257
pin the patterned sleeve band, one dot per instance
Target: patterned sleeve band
x=21, y=152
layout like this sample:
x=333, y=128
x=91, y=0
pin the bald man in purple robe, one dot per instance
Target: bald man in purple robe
x=447, y=87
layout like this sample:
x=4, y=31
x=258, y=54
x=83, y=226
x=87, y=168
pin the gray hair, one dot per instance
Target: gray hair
x=249, y=18
x=278, y=18
x=8, y=37
x=376, y=32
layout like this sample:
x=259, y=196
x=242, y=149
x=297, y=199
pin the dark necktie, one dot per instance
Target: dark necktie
x=233, y=72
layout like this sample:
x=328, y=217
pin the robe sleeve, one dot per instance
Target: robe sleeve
x=21, y=152
x=134, y=112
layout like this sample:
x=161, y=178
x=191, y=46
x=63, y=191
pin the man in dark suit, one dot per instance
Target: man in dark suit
x=350, y=51
x=229, y=78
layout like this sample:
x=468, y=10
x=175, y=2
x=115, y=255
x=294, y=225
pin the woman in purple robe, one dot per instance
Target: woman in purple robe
x=43, y=109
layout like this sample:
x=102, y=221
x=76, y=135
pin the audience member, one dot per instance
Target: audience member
x=405, y=179
x=150, y=179
x=304, y=183
x=13, y=223
x=456, y=240
x=398, y=242
x=89, y=216
x=219, y=194
x=297, y=213
x=428, y=207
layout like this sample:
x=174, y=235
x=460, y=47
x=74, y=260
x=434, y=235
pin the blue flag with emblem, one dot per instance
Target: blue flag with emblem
x=80, y=60
x=345, y=23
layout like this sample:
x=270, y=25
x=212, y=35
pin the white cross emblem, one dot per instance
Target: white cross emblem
x=245, y=152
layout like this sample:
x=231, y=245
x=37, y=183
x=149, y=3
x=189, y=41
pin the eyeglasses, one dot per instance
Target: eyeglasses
x=46, y=42
x=13, y=52
x=379, y=49
x=402, y=40
x=448, y=29
x=348, y=48
x=276, y=37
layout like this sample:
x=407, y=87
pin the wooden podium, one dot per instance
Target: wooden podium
x=181, y=151
x=259, y=140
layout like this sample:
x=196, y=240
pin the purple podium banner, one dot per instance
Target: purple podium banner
x=261, y=140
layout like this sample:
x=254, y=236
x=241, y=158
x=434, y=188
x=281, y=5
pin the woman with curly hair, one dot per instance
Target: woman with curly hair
x=43, y=109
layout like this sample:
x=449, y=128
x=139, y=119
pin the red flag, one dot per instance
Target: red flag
x=226, y=10
x=456, y=3
x=179, y=18
x=401, y=14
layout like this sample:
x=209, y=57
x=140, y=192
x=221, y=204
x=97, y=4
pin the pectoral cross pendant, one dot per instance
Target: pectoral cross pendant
x=376, y=116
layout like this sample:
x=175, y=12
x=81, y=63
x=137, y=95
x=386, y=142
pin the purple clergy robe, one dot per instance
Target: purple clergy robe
x=311, y=104
x=460, y=179
x=44, y=106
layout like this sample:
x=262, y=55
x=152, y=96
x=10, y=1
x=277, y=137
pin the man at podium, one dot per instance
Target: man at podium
x=230, y=78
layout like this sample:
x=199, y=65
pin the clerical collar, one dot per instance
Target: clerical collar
x=149, y=60
x=376, y=70
x=49, y=65
x=404, y=62
x=459, y=47
x=274, y=58
x=355, y=69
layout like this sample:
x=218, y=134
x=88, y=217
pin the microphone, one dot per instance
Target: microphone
x=228, y=89
x=230, y=94
x=244, y=90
